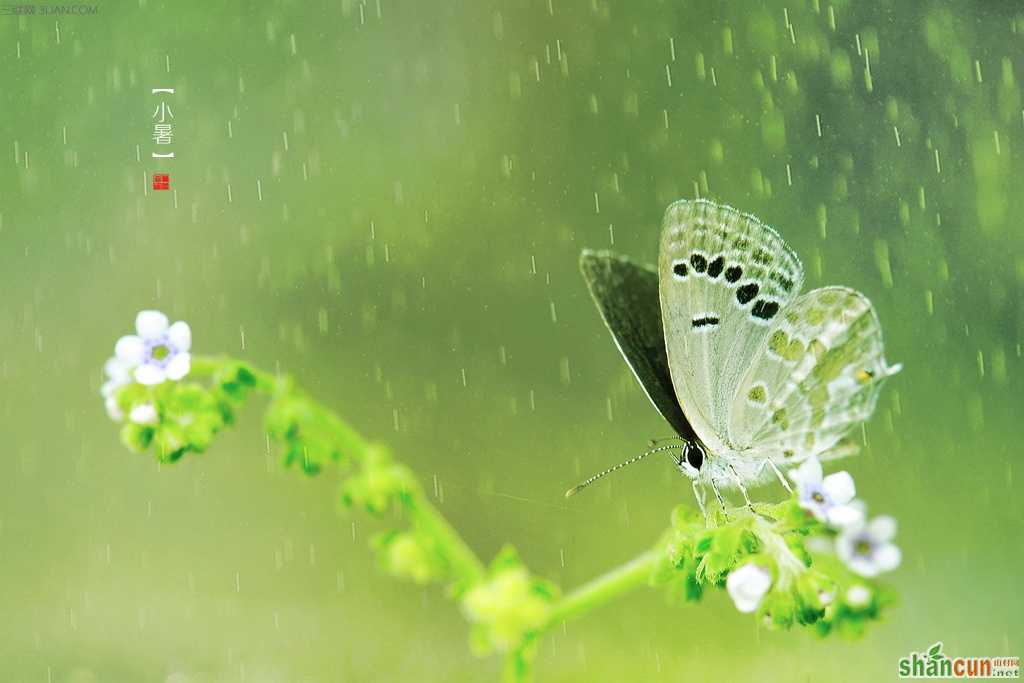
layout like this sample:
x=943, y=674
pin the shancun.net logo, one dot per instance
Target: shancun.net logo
x=936, y=664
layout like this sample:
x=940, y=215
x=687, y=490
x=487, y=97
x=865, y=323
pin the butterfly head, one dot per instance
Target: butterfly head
x=692, y=458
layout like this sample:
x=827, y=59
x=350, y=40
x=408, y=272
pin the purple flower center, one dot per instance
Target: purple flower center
x=863, y=547
x=159, y=351
x=817, y=496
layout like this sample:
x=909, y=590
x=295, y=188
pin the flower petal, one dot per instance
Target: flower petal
x=845, y=542
x=747, y=586
x=130, y=350
x=745, y=604
x=150, y=324
x=179, y=366
x=115, y=370
x=817, y=509
x=845, y=515
x=888, y=557
x=839, y=487
x=858, y=595
x=149, y=374
x=809, y=472
x=143, y=414
x=180, y=335
x=882, y=529
x=113, y=410
x=863, y=566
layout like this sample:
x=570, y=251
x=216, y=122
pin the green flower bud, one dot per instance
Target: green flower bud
x=814, y=591
x=170, y=442
x=409, y=555
x=729, y=543
x=778, y=609
x=377, y=485
x=233, y=380
x=508, y=607
x=136, y=437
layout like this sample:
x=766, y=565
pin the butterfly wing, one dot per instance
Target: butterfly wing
x=816, y=375
x=626, y=294
x=725, y=277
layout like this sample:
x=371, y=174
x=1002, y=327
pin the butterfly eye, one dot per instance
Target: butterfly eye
x=694, y=456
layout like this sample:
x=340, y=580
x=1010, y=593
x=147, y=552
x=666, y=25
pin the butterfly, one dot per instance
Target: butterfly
x=753, y=376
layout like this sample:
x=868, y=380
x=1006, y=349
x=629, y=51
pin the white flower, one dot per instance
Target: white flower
x=858, y=596
x=867, y=548
x=829, y=499
x=113, y=410
x=158, y=352
x=748, y=585
x=118, y=374
x=143, y=414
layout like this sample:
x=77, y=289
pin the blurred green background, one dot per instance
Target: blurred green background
x=429, y=174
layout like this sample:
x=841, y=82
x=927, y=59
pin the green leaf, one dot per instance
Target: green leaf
x=778, y=608
x=136, y=437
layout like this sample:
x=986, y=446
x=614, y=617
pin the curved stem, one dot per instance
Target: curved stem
x=604, y=588
x=466, y=568
x=464, y=562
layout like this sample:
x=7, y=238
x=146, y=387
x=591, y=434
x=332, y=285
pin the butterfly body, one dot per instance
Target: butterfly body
x=753, y=376
x=726, y=468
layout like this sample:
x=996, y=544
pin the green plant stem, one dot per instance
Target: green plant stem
x=206, y=366
x=464, y=562
x=604, y=588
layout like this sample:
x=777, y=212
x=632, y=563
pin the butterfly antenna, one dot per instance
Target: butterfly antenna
x=579, y=487
x=655, y=442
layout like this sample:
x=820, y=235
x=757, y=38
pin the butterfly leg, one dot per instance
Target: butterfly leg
x=700, y=494
x=721, y=501
x=743, y=490
x=778, y=474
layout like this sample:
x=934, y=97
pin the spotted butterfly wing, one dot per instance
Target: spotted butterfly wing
x=724, y=277
x=817, y=374
x=626, y=294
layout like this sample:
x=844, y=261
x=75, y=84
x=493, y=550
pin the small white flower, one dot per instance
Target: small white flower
x=858, y=596
x=143, y=414
x=113, y=410
x=118, y=375
x=158, y=352
x=867, y=548
x=747, y=586
x=829, y=499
